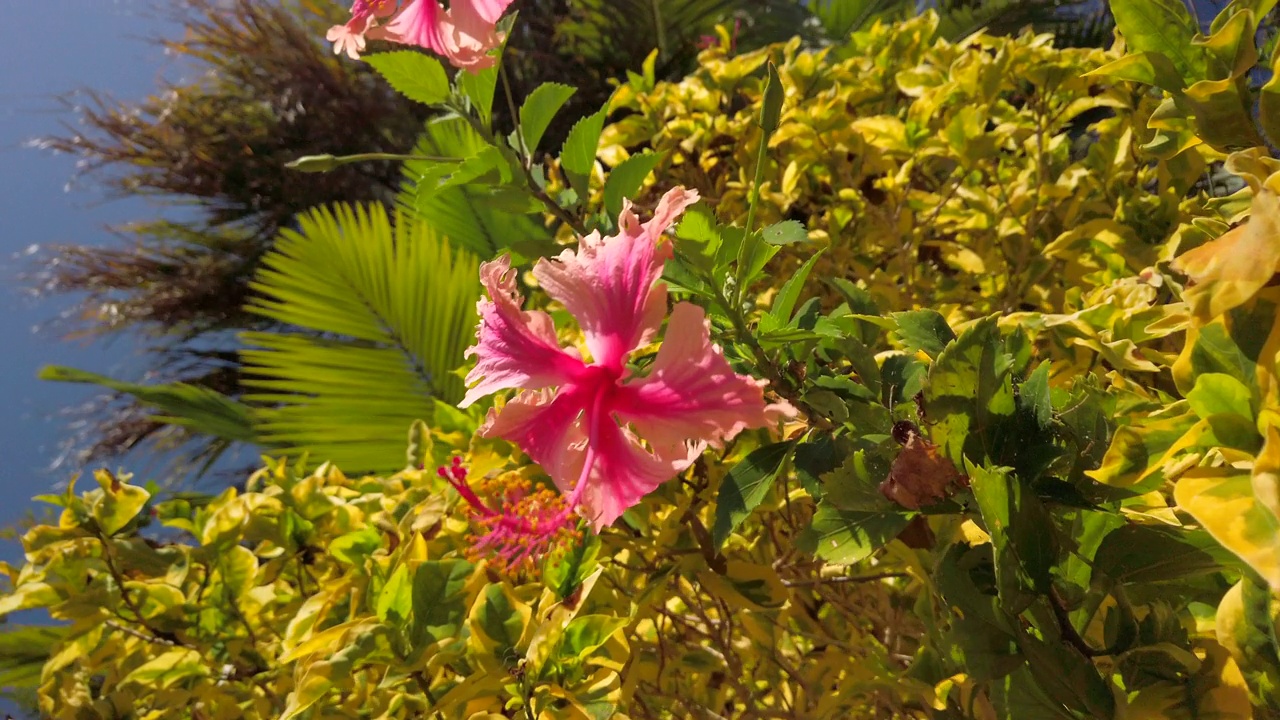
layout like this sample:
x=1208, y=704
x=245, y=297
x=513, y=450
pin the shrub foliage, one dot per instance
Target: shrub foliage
x=1032, y=472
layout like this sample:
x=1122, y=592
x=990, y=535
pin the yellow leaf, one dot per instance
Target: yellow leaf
x=1222, y=500
x=1266, y=473
x=327, y=640
x=168, y=668
x=1227, y=272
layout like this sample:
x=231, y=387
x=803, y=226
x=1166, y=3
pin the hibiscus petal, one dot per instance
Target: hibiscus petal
x=624, y=472
x=608, y=284
x=417, y=23
x=514, y=348
x=487, y=10
x=691, y=393
x=468, y=36
x=548, y=426
x=551, y=427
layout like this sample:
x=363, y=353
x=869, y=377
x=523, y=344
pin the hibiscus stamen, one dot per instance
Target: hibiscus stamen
x=529, y=521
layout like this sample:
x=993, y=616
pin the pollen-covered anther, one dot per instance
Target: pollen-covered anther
x=519, y=523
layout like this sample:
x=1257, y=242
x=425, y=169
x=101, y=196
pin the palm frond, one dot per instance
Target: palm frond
x=24, y=650
x=200, y=409
x=386, y=310
x=839, y=18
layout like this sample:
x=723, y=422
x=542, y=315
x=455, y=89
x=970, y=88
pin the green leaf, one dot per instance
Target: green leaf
x=497, y=622
x=1033, y=394
x=1022, y=535
x=787, y=232
x=468, y=216
x=439, y=597
x=1161, y=26
x=353, y=547
x=419, y=77
x=1151, y=69
x=1246, y=625
x=586, y=633
x=564, y=572
x=167, y=668
x=789, y=294
x=1216, y=393
x=1068, y=677
x=396, y=599
x=923, y=330
x=24, y=650
x=579, y=153
x=746, y=486
x=844, y=537
x=479, y=87
x=539, y=109
x=625, y=180
x=969, y=389
x=1140, y=554
x=1017, y=696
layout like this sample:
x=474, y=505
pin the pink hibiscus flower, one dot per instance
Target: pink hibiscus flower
x=606, y=438
x=464, y=34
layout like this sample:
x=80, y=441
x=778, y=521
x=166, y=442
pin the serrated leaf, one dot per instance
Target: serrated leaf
x=1033, y=395
x=419, y=77
x=579, y=152
x=746, y=486
x=539, y=109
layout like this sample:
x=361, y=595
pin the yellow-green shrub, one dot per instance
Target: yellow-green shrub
x=982, y=176
x=313, y=594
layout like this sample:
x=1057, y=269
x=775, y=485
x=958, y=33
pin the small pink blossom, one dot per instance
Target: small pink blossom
x=351, y=36
x=606, y=438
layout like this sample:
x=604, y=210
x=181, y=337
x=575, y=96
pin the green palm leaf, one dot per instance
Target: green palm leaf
x=386, y=308
x=212, y=420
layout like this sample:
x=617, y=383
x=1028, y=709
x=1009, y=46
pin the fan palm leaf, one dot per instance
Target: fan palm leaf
x=385, y=309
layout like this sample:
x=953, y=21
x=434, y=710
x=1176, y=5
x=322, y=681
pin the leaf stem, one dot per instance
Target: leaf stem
x=538, y=194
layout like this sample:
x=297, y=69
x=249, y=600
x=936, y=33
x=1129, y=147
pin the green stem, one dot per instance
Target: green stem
x=325, y=163
x=525, y=153
x=538, y=194
x=753, y=199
